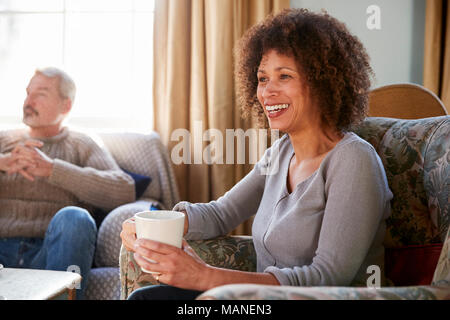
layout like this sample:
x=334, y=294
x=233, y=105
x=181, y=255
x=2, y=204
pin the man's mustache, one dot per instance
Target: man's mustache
x=29, y=109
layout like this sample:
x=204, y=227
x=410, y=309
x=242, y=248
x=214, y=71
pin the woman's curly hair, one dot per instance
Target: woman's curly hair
x=333, y=62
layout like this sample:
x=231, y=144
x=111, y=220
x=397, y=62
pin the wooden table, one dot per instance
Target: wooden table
x=30, y=284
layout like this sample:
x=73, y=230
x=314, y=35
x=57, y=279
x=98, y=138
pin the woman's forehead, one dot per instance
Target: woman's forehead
x=275, y=59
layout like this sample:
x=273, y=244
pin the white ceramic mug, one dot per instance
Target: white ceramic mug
x=160, y=225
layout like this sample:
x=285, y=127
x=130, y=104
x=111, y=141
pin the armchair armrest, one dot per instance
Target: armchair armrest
x=438, y=290
x=108, y=237
x=266, y=292
x=231, y=252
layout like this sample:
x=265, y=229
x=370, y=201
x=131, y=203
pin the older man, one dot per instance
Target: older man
x=49, y=176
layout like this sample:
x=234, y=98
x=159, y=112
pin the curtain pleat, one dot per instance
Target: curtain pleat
x=436, y=73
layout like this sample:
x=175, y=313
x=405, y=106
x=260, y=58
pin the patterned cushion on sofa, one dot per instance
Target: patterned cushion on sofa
x=414, y=154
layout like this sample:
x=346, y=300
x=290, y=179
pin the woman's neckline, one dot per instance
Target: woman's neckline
x=346, y=136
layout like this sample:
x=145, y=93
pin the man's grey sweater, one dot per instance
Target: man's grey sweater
x=326, y=232
x=83, y=175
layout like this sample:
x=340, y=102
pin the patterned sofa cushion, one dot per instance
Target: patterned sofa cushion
x=416, y=155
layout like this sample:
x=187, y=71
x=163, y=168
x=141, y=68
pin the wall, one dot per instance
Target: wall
x=396, y=50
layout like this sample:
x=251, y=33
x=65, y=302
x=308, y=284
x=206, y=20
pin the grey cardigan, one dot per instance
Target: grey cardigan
x=326, y=232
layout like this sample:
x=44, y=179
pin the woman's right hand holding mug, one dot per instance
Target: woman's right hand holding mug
x=128, y=233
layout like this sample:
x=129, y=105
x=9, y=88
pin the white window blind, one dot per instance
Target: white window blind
x=105, y=45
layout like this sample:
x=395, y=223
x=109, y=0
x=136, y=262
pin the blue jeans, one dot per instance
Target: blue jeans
x=68, y=245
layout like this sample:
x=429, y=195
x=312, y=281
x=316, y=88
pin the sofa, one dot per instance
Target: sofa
x=140, y=154
x=416, y=156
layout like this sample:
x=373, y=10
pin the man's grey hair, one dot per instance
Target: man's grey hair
x=67, y=88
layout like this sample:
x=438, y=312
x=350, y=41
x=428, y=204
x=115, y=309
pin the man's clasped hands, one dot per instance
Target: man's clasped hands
x=27, y=160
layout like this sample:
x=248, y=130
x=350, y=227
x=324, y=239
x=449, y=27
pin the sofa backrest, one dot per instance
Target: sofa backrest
x=145, y=154
x=416, y=156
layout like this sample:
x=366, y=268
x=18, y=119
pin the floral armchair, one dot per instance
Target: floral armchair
x=416, y=156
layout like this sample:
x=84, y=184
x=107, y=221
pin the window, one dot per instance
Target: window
x=105, y=45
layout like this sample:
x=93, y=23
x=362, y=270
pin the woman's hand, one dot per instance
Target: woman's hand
x=182, y=268
x=128, y=234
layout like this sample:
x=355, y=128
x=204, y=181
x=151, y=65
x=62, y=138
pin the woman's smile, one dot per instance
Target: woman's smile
x=276, y=110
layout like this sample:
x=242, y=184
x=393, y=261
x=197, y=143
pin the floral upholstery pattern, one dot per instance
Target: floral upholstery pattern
x=234, y=252
x=416, y=156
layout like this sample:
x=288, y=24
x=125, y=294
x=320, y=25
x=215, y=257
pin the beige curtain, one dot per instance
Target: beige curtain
x=436, y=75
x=194, y=85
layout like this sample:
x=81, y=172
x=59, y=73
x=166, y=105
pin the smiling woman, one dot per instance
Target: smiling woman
x=329, y=62
x=320, y=219
x=105, y=45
